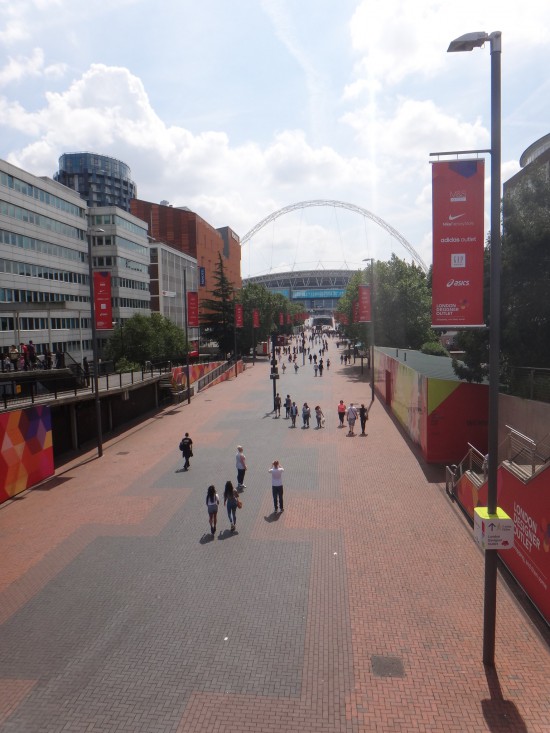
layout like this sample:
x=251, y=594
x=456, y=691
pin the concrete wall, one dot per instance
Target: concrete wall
x=527, y=416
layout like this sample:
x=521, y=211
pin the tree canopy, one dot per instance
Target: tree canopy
x=146, y=338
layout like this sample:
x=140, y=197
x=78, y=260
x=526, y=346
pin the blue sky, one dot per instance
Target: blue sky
x=240, y=109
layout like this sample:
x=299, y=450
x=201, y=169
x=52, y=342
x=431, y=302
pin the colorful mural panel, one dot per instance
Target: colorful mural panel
x=26, y=449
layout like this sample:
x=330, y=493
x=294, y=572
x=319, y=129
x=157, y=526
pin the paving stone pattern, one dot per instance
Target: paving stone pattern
x=357, y=609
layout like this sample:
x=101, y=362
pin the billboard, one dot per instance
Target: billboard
x=364, y=315
x=103, y=310
x=192, y=309
x=458, y=244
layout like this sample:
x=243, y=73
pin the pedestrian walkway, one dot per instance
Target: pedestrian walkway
x=357, y=609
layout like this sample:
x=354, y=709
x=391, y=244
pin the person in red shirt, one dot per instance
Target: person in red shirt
x=341, y=413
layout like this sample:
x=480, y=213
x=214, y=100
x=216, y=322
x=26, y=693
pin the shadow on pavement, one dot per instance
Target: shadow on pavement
x=273, y=517
x=206, y=539
x=227, y=533
x=500, y=715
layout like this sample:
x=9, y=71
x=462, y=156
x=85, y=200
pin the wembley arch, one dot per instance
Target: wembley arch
x=342, y=205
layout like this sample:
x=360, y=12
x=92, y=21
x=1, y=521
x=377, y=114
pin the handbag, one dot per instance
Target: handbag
x=239, y=504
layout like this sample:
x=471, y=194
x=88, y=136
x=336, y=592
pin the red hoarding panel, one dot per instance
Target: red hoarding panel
x=238, y=315
x=192, y=309
x=457, y=208
x=256, y=318
x=364, y=304
x=103, y=310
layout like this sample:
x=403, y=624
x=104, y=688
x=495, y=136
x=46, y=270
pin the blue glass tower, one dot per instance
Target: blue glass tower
x=100, y=180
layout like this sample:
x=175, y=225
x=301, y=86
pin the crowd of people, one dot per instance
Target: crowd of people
x=350, y=414
x=26, y=358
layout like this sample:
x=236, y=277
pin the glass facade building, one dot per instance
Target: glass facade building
x=100, y=180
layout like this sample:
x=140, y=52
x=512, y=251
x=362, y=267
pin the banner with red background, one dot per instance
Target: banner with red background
x=238, y=315
x=364, y=315
x=192, y=309
x=256, y=318
x=103, y=309
x=458, y=244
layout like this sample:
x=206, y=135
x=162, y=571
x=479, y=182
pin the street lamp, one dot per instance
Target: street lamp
x=371, y=260
x=99, y=435
x=467, y=43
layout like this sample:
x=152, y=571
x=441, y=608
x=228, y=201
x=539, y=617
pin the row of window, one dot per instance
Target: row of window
x=109, y=241
x=125, y=282
x=131, y=303
x=37, y=245
x=13, y=295
x=99, y=262
x=47, y=273
x=38, y=220
x=37, y=323
x=40, y=195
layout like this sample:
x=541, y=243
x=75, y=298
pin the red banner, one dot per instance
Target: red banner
x=355, y=311
x=288, y=319
x=457, y=209
x=238, y=315
x=256, y=318
x=192, y=309
x=281, y=319
x=103, y=309
x=364, y=315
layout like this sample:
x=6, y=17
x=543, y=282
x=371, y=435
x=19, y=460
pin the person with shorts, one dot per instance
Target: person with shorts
x=212, y=504
x=352, y=417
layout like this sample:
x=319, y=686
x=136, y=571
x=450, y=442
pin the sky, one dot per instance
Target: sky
x=248, y=110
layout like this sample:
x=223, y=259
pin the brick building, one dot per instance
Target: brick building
x=187, y=232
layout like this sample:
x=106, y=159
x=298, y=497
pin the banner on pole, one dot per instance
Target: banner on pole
x=281, y=319
x=238, y=315
x=192, y=309
x=364, y=315
x=458, y=244
x=256, y=318
x=355, y=311
x=103, y=309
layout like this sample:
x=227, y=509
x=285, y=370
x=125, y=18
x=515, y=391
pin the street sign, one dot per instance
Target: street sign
x=493, y=531
x=274, y=376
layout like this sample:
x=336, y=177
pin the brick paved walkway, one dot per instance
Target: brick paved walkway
x=358, y=609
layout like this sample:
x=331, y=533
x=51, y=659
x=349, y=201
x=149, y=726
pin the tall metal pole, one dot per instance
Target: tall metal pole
x=372, y=328
x=489, y=617
x=99, y=435
x=187, y=375
x=235, y=334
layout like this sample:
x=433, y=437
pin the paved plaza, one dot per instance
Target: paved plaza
x=358, y=609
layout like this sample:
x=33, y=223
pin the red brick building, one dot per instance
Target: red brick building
x=188, y=232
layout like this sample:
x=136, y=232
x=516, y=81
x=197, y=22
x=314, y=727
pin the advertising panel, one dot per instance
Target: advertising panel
x=458, y=244
x=192, y=309
x=256, y=318
x=103, y=310
x=238, y=315
x=364, y=304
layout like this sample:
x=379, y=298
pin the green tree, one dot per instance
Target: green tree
x=142, y=338
x=401, y=304
x=218, y=313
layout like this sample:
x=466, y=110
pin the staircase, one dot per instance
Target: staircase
x=525, y=458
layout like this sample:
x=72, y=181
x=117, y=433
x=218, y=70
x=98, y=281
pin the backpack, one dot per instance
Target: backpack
x=182, y=444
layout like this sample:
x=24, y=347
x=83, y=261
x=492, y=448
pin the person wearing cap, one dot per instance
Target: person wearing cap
x=240, y=462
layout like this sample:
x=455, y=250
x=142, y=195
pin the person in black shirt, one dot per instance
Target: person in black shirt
x=186, y=448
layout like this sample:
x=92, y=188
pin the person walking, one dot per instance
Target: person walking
x=288, y=404
x=277, y=405
x=363, y=417
x=315, y=367
x=283, y=367
x=212, y=504
x=276, y=472
x=319, y=417
x=240, y=462
x=306, y=414
x=341, y=413
x=186, y=448
x=295, y=368
x=352, y=417
x=230, y=500
x=328, y=364
x=293, y=413
x=321, y=367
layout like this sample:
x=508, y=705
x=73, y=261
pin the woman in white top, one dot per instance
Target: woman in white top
x=212, y=504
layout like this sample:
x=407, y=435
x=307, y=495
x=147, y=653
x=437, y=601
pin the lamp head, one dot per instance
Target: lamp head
x=469, y=41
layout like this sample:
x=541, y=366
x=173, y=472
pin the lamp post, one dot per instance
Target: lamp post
x=467, y=43
x=97, y=401
x=371, y=260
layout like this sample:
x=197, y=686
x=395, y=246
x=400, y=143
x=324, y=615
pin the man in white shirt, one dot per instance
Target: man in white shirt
x=240, y=462
x=276, y=472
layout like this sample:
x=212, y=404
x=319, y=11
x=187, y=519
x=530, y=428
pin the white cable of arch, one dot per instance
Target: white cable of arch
x=342, y=205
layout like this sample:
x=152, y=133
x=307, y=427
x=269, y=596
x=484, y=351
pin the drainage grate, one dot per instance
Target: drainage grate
x=387, y=666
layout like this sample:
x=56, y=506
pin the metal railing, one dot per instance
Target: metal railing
x=474, y=463
x=530, y=383
x=528, y=456
x=203, y=382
